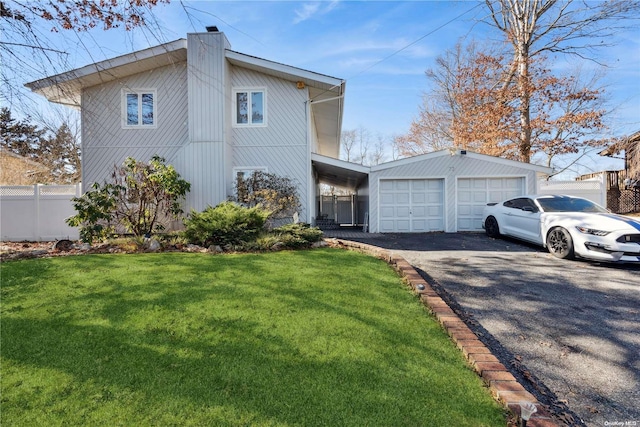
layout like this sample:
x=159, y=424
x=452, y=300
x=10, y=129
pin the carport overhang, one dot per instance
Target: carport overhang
x=339, y=173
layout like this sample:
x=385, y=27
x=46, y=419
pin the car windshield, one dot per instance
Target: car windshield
x=568, y=204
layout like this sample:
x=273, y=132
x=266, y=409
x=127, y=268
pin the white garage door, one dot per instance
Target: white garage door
x=475, y=193
x=411, y=205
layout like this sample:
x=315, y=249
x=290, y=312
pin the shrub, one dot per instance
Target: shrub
x=301, y=231
x=295, y=236
x=94, y=213
x=140, y=198
x=228, y=224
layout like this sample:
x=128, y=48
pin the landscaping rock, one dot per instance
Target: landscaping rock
x=277, y=246
x=63, y=245
x=153, y=245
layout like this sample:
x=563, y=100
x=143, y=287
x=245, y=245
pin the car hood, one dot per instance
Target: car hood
x=598, y=221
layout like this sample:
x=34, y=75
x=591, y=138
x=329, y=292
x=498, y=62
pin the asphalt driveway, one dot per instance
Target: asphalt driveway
x=569, y=330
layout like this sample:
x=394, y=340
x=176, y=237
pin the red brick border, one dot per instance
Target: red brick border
x=503, y=385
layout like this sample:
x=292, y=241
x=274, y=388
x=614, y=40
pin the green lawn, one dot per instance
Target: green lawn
x=309, y=338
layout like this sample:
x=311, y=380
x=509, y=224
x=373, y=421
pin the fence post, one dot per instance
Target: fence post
x=36, y=201
x=603, y=189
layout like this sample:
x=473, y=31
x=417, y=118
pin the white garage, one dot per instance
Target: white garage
x=443, y=191
x=473, y=194
x=411, y=205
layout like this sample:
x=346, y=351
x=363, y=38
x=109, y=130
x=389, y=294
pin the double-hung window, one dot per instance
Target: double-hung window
x=139, y=108
x=250, y=107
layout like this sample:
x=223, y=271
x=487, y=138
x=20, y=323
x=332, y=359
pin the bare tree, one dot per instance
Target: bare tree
x=347, y=144
x=359, y=146
x=473, y=105
x=30, y=30
x=535, y=27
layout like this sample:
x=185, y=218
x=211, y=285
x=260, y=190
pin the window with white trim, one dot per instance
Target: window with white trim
x=139, y=108
x=247, y=172
x=250, y=107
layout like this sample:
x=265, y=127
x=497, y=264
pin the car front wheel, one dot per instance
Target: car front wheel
x=560, y=243
x=491, y=227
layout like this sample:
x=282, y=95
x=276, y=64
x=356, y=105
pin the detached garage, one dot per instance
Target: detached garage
x=444, y=190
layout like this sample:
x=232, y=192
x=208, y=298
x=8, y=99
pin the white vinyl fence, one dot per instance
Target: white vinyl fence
x=37, y=212
x=594, y=190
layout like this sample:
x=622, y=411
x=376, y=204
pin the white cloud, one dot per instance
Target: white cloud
x=309, y=10
x=306, y=12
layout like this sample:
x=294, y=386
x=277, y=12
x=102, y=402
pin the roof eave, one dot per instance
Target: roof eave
x=65, y=88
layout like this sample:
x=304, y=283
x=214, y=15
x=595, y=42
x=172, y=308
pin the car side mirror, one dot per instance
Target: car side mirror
x=528, y=209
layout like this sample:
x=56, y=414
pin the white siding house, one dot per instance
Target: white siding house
x=215, y=113
x=209, y=111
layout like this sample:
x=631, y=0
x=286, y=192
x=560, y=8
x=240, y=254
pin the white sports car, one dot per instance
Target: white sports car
x=567, y=226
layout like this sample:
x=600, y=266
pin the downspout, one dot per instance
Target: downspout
x=311, y=186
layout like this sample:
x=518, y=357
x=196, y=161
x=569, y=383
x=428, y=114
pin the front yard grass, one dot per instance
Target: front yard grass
x=309, y=338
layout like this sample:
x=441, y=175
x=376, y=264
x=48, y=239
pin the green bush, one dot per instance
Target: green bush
x=228, y=224
x=140, y=198
x=300, y=231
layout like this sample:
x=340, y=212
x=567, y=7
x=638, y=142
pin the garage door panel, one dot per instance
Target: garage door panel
x=480, y=197
x=403, y=212
x=386, y=186
x=464, y=196
x=474, y=193
x=418, y=198
x=435, y=211
x=418, y=225
x=411, y=205
x=402, y=198
x=387, y=199
x=387, y=226
x=436, y=225
x=496, y=196
x=418, y=185
x=465, y=210
x=419, y=211
x=434, y=198
x=403, y=226
x=387, y=212
x=479, y=184
x=465, y=223
x=401, y=185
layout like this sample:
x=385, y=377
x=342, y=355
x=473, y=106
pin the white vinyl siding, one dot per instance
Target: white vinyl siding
x=411, y=205
x=106, y=142
x=282, y=145
x=474, y=193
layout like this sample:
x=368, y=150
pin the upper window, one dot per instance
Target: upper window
x=139, y=108
x=250, y=107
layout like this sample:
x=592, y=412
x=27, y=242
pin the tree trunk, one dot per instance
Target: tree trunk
x=524, y=93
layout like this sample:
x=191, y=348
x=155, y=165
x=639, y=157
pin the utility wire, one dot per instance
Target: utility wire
x=402, y=49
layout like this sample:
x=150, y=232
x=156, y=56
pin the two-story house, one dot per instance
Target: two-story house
x=215, y=113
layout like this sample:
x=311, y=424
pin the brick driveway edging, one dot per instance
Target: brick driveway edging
x=503, y=385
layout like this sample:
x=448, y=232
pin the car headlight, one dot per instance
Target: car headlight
x=586, y=230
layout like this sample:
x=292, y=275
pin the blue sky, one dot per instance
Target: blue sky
x=381, y=48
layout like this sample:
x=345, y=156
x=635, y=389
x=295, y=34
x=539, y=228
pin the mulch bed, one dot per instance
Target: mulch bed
x=24, y=250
